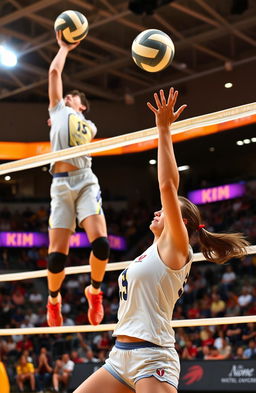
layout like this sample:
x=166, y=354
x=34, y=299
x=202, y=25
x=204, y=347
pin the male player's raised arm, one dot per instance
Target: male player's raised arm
x=55, y=89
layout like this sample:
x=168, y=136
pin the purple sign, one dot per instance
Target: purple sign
x=214, y=194
x=36, y=239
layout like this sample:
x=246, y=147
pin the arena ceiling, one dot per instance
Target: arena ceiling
x=209, y=36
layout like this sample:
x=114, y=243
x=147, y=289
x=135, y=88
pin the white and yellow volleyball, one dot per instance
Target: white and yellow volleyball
x=73, y=25
x=153, y=50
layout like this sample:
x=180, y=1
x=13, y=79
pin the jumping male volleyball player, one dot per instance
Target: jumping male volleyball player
x=144, y=358
x=75, y=193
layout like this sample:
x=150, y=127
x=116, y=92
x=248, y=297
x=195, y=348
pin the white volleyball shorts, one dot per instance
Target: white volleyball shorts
x=74, y=194
x=130, y=362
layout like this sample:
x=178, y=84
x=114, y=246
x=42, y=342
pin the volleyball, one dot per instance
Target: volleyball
x=73, y=25
x=153, y=50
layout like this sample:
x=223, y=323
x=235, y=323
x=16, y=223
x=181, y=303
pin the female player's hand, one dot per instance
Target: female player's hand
x=63, y=44
x=164, y=111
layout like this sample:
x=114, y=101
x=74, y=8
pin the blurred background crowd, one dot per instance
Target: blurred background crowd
x=41, y=362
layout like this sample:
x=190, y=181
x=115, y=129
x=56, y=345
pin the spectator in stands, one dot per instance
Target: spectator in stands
x=32, y=317
x=190, y=351
x=41, y=317
x=72, y=283
x=248, y=263
x=102, y=355
x=250, y=352
x=213, y=354
x=249, y=332
x=233, y=333
x=33, y=255
x=225, y=350
x=18, y=296
x=181, y=337
x=245, y=298
x=62, y=372
x=219, y=337
x=217, y=306
x=67, y=321
x=35, y=298
x=205, y=309
x=195, y=337
x=228, y=278
x=90, y=356
x=104, y=341
x=206, y=336
x=200, y=284
x=194, y=311
x=76, y=358
x=233, y=308
x=25, y=371
x=82, y=347
x=41, y=262
x=239, y=353
x=26, y=344
x=43, y=372
x=251, y=310
x=28, y=355
x=26, y=323
x=9, y=347
x=66, y=307
x=204, y=353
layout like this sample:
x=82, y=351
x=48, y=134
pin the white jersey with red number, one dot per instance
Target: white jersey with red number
x=148, y=292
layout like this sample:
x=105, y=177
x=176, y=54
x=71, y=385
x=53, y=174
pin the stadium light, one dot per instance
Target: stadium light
x=183, y=168
x=228, y=85
x=7, y=57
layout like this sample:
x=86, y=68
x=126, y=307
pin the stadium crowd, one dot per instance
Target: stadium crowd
x=38, y=362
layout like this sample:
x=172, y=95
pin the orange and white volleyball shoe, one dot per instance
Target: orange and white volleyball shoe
x=95, y=310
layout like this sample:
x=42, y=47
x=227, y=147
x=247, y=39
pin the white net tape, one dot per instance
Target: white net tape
x=86, y=268
x=107, y=327
x=129, y=139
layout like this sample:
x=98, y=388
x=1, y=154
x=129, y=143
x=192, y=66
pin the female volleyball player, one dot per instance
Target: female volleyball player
x=144, y=358
x=75, y=193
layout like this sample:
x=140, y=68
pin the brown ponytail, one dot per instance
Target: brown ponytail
x=216, y=247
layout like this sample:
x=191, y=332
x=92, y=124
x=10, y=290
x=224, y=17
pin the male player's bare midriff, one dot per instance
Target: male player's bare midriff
x=62, y=166
x=128, y=339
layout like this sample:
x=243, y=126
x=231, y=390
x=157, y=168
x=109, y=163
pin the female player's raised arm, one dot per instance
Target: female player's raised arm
x=174, y=238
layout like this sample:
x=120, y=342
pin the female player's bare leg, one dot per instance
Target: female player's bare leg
x=153, y=385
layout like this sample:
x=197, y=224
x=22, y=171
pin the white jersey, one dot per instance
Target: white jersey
x=148, y=292
x=70, y=128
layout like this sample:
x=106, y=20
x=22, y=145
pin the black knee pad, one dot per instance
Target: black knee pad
x=100, y=248
x=56, y=262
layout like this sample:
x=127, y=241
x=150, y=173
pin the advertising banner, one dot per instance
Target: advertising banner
x=36, y=239
x=215, y=194
x=218, y=376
